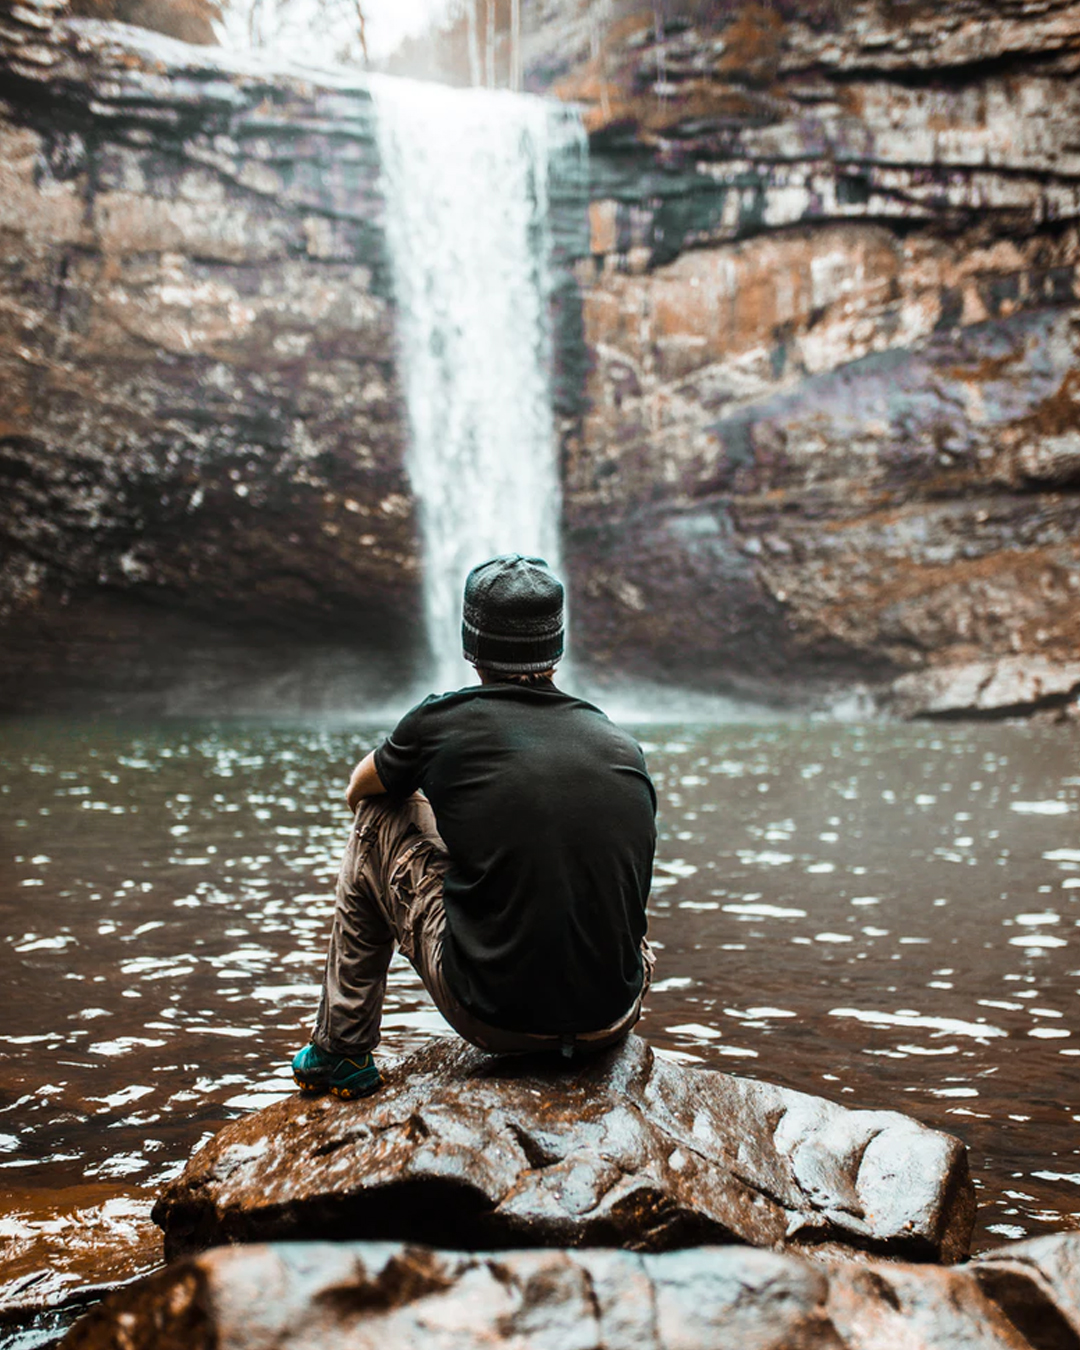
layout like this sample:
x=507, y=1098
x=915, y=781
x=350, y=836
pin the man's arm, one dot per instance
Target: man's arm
x=365, y=782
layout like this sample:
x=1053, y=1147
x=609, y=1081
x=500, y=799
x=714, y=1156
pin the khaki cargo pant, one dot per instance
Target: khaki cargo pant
x=389, y=892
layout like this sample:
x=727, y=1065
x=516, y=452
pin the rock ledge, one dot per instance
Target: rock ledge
x=464, y=1150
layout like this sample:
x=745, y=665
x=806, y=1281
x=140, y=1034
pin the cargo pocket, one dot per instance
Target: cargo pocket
x=405, y=886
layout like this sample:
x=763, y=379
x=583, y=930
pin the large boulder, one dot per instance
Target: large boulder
x=461, y=1149
x=296, y=1296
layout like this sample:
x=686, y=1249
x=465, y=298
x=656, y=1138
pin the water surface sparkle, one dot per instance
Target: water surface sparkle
x=883, y=915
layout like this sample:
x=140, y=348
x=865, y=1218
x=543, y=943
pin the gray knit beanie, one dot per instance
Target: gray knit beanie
x=512, y=619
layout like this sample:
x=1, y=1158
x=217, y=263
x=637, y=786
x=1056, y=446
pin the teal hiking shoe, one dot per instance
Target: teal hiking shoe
x=316, y=1071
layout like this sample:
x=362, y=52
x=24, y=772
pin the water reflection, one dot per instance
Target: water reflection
x=883, y=915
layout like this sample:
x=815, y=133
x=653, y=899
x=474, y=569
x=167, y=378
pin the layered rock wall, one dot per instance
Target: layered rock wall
x=201, y=427
x=832, y=424
x=818, y=380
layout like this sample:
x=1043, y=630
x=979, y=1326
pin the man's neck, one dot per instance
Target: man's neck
x=498, y=677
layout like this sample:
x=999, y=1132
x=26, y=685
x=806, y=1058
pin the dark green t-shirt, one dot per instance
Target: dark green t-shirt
x=548, y=815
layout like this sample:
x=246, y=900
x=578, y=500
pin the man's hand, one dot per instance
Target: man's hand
x=365, y=782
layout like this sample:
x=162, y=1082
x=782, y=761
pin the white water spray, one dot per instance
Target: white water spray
x=466, y=178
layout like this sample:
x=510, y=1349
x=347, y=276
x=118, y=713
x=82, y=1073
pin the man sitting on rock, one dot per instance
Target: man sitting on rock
x=503, y=839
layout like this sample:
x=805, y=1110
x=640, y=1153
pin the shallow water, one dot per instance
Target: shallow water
x=885, y=915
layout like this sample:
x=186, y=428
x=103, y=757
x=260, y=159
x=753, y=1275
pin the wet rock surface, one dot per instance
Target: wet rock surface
x=1037, y=1283
x=366, y=1294
x=460, y=1149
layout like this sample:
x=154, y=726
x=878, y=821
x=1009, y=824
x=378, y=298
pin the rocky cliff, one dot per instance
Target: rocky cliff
x=832, y=339
x=201, y=429
x=819, y=378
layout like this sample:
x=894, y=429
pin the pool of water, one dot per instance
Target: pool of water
x=884, y=915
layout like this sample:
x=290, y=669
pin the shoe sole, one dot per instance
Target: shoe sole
x=353, y=1094
x=310, y=1087
x=345, y=1094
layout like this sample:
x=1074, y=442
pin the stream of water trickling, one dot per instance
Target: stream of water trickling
x=466, y=178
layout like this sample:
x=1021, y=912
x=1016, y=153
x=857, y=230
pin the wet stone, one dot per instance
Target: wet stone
x=464, y=1150
x=291, y=1295
x=1037, y=1282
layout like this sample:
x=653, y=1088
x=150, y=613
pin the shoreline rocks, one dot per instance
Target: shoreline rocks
x=1013, y=686
x=296, y=1296
x=616, y=1203
x=461, y=1149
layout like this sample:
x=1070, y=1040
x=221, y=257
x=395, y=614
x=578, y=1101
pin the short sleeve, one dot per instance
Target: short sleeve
x=398, y=759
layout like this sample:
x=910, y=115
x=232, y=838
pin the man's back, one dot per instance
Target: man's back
x=547, y=812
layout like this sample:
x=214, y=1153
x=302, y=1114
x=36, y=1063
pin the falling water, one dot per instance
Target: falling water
x=467, y=175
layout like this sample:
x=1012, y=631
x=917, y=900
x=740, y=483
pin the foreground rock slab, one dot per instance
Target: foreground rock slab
x=298, y=1296
x=465, y=1150
x=1037, y=1283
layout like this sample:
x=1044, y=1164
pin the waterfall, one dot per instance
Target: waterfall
x=466, y=176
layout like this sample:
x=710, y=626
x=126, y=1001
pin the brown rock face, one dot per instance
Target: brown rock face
x=188, y=20
x=831, y=332
x=460, y=1149
x=819, y=404
x=293, y=1295
x=201, y=428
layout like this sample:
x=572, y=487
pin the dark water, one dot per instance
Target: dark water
x=885, y=915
